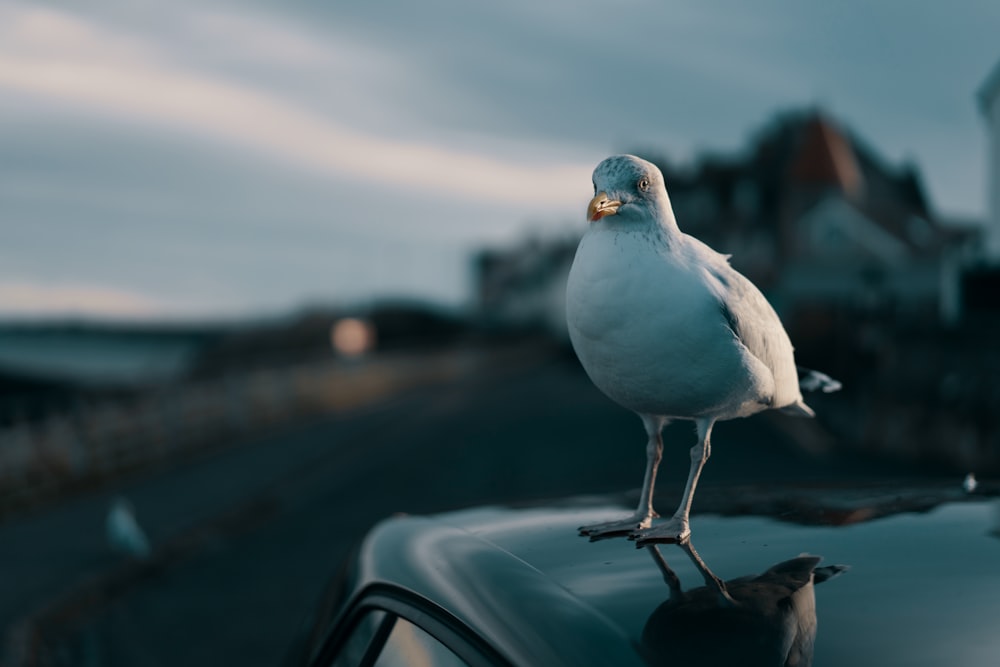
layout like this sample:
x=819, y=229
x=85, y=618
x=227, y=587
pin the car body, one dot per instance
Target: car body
x=503, y=586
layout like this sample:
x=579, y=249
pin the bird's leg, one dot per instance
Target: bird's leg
x=677, y=529
x=654, y=454
x=644, y=513
x=711, y=581
x=669, y=576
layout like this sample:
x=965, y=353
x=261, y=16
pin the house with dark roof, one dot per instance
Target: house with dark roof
x=809, y=213
x=821, y=223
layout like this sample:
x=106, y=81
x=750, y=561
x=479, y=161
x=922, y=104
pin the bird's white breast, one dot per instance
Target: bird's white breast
x=648, y=330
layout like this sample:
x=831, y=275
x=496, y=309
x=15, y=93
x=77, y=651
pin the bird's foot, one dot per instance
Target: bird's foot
x=619, y=528
x=674, y=531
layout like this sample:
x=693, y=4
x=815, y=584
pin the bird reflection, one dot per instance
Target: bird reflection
x=765, y=619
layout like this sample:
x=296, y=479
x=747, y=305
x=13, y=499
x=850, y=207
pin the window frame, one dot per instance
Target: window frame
x=396, y=602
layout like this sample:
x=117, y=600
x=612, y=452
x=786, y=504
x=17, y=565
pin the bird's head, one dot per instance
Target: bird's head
x=629, y=187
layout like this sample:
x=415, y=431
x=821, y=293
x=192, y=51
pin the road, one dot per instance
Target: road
x=254, y=532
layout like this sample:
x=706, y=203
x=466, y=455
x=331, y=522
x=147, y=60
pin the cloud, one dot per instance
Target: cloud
x=86, y=66
x=231, y=156
x=33, y=300
x=246, y=37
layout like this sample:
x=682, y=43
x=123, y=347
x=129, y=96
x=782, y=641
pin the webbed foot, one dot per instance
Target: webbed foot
x=674, y=531
x=619, y=528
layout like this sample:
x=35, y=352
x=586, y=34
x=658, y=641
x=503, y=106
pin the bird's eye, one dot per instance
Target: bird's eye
x=594, y=183
x=643, y=184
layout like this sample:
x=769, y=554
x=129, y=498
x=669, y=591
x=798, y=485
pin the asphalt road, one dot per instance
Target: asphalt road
x=256, y=531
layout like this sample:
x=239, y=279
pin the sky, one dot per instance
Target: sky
x=215, y=159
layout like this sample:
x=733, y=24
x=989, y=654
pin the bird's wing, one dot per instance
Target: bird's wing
x=756, y=325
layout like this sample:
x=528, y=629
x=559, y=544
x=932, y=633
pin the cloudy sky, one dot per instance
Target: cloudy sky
x=213, y=158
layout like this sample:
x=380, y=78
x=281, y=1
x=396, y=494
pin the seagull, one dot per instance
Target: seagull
x=124, y=533
x=666, y=328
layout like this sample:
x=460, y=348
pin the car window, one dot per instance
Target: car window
x=410, y=646
x=358, y=641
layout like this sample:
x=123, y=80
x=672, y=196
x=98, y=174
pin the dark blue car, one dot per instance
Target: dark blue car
x=500, y=586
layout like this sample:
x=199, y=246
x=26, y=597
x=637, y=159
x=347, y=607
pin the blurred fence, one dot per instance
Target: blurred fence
x=86, y=446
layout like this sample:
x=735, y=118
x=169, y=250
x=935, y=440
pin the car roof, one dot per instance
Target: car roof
x=516, y=576
x=525, y=579
x=543, y=595
x=612, y=576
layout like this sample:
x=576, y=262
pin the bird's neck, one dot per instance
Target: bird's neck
x=668, y=224
x=664, y=215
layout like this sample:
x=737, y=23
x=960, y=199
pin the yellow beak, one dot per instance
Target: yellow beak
x=601, y=206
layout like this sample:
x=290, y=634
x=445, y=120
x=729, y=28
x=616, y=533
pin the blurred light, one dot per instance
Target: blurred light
x=352, y=337
x=970, y=483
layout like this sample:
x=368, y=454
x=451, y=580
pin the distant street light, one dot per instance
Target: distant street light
x=352, y=337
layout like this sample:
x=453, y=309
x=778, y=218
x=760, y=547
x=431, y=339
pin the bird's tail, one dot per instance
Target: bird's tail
x=798, y=409
x=827, y=572
x=810, y=380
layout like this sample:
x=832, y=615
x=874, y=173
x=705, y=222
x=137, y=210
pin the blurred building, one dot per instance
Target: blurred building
x=523, y=287
x=981, y=279
x=48, y=367
x=989, y=104
x=823, y=224
x=810, y=213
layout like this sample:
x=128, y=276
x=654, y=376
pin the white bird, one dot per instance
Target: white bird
x=666, y=328
x=124, y=533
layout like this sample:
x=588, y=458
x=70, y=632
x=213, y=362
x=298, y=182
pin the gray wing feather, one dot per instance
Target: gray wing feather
x=757, y=326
